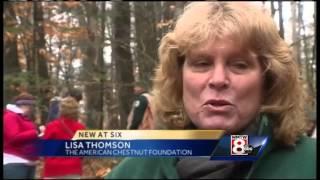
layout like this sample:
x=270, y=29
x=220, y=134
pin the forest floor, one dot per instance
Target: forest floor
x=93, y=168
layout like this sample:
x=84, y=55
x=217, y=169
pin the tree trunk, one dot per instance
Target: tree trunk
x=308, y=60
x=146, y=38
x=11, y=61
x=295, y=34
x=273, y=10
x=101, y=63
x=92, y=87
x=41, y=69
x=302, y=61
x=121, y=55
x=281, y=31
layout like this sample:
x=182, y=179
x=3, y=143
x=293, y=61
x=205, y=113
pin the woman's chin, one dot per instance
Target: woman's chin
x=213, y=126
x=214, y=123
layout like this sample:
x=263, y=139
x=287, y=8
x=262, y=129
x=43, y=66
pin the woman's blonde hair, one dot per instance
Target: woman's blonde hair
x=252, y=27
x=69, y=108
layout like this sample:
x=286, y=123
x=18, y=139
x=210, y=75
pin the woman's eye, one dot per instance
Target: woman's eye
x=240, y=65
x=200, y=66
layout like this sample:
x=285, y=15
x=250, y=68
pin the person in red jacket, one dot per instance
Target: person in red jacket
x=19, y=135
x=63, y=128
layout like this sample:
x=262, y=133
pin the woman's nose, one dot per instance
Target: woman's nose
x=219, y=78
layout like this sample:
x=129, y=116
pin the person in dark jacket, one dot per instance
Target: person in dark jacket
x=141, y=114
x=225, y=67
x=19, y=135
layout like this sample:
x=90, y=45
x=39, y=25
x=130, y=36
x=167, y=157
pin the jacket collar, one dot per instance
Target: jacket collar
x=14, y=108
x=265, y=129
x=55, y=98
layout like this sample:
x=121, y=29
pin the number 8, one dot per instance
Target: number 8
x=238, y=146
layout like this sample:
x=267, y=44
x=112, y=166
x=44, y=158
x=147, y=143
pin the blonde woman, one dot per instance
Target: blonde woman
x=224, y=66
x=64, y=128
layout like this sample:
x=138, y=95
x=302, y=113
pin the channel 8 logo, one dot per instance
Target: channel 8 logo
x=240, y=145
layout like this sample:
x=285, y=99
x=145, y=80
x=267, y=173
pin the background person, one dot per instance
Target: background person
x=55, y=102
x=63, y=128
x=19, y=134
x=141, y=114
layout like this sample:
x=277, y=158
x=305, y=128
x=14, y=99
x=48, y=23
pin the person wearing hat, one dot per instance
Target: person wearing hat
x=19, y=133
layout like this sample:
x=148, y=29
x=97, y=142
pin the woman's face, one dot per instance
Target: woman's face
x=222, y=86
x=27, y=109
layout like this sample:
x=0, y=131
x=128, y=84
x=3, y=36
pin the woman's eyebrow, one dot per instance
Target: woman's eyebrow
x=202, y=55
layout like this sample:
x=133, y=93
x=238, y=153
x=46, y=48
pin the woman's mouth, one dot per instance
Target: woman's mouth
x=217, y=106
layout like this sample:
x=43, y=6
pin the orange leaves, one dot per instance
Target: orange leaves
x=9, y=36
x=10, y=22
x=61, y=29
x=79, y=54
x=78, y=33
x=61, y=32
x=48, y=56
x=49, y=6
x=72, y=4
x=22, y=9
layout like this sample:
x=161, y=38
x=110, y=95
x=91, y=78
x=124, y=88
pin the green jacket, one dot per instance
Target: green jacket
x=276, y=163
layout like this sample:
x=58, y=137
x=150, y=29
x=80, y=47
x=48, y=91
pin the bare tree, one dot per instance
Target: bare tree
x=308, y=61
x=281, y=29
x=101, y=61
x=10, y=57
x=295, y=33
x=146, y=39
x=122, y=58
x=90, y=67
x=41, y=69
x=273, y=10
x=10, y=41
